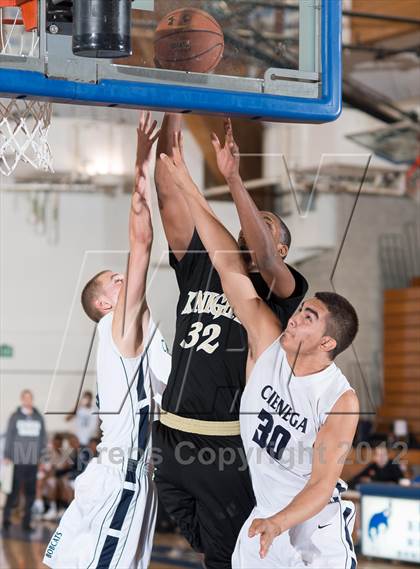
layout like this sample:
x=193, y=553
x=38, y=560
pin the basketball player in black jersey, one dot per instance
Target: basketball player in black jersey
x=202, y=479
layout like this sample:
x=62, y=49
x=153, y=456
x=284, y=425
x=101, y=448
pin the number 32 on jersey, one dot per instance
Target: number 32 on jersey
x=202, y=337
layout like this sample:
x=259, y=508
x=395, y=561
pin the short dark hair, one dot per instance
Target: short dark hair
x=286, y=236
x=90, y=293
x=342, y=320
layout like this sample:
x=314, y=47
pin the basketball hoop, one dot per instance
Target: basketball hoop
x=24, y=124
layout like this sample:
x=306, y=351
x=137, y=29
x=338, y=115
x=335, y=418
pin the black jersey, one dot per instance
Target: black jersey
x=210, y=348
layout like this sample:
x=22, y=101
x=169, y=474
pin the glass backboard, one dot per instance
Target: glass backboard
x=397, y=142
x=281, y=61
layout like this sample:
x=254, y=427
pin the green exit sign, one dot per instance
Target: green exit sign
x=6, y=351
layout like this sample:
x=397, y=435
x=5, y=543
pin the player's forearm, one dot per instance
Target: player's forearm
x=219, y=243
x=260, y=241
x=138, y=267
x=127, y=329
x=142, y=169
x=255, y=230
x=174, y=212
x=172, y=123
x=141, y=241
x=143, y=186
x=308, y=503
x=140, y=233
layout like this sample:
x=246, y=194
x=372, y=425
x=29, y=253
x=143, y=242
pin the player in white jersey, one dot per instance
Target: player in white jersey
x=110, y=522
x=298, y=412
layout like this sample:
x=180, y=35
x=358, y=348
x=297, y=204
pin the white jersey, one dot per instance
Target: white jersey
x=129, y=392
x=281, y=415
x=110, y=523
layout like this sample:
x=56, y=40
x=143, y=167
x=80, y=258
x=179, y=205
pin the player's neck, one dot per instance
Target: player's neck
x=307, y=364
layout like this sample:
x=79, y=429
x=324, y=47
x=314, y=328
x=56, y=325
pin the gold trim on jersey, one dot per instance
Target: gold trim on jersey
x=198, y=427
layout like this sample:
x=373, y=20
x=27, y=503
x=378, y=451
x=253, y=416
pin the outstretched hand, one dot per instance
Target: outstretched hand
x=146, y=137
x=227, y=155
x=268, y=530
x=176, y=164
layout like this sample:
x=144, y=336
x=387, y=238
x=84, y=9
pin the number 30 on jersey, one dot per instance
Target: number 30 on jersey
x=202, y=337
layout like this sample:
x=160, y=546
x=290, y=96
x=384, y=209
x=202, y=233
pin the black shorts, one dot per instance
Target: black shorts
x=204, y=485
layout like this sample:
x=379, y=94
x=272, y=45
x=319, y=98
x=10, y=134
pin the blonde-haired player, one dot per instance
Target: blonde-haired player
x=110, y=522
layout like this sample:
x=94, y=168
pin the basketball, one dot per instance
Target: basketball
x=188, y=39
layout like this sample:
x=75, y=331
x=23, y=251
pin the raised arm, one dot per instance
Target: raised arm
x=257, y=235
x=174, y=212
x=131, y=314
x=259, y=321
x=328, y=460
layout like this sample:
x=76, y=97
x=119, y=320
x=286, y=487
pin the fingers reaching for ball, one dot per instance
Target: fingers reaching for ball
x=227, y=155
x=176, y=164
x=147, y=134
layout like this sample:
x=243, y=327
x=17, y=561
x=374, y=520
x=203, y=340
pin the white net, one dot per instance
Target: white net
x=14, y=39
x=24, y=124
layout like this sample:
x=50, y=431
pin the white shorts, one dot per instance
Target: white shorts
x=110, y=522
x=323, y=541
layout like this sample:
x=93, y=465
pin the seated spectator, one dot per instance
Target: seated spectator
x=59, y=474
x=55, y=457
x=381, y=469
x=71, y=470
x=63, y=462
x=87, y=453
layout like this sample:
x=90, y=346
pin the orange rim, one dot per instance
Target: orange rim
x=11, y=22
x=30, y=14
x=29, y=10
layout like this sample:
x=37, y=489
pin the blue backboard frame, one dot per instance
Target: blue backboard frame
x=21, y=83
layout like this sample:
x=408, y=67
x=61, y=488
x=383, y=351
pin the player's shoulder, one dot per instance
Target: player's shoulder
x=270, y=355
x=348, y=402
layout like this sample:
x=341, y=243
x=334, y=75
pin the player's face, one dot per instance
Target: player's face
x=273, y=224
x=305, y=332
x=111, y=287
